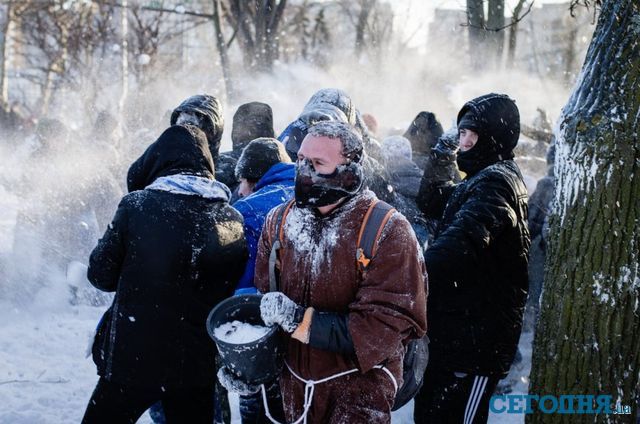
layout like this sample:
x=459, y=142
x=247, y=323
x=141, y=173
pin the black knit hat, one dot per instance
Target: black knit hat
x=251, y=120
x=259, y=156
x=469, y=121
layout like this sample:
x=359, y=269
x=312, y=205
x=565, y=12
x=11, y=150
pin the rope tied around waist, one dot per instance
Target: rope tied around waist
x=309, y=388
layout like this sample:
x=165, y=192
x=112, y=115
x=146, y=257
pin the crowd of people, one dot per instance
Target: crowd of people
x=448, y=258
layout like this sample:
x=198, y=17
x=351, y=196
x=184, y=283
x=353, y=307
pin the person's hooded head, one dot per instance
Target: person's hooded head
x=496, y=121
x=423, y=133
x=371, y=122
x=181, y=149
x=328, y=104
x=396, y=148
x=330, y=165
x=52, y=134
x=256, y=160
x=205, y=112
x=251, y=121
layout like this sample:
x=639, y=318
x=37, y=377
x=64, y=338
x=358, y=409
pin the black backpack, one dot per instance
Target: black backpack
x=416, y=355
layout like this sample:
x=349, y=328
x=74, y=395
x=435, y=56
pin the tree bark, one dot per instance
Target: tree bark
x=588, y=336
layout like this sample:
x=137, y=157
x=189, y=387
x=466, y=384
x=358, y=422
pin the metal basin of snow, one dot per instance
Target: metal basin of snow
x=249, y=349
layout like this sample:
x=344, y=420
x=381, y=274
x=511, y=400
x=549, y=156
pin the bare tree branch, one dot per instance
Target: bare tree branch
x=512, y=23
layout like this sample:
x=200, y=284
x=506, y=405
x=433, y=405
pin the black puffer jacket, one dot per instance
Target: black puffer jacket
x=477, y=263
x=173, y=251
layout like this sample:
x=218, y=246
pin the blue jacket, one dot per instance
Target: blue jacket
x=275, y=187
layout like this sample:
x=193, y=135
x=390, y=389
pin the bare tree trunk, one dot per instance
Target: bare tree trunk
x=5, y=34
x=570, y=55
x=475, y=20
x=588, y=336
x=222, y=50
x=57, y=67
x=267, y=23
x=124, y=61
x=513, y=34
x=361, y=25
x=495, y=35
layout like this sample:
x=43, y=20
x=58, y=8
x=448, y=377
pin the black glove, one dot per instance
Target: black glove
x=234, y=384
x=277, y=308
x=446, y=149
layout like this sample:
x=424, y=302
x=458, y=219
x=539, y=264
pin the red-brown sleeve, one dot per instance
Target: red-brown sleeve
x=390, y=305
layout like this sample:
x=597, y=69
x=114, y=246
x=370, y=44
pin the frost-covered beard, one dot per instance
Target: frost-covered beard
x=313, y=189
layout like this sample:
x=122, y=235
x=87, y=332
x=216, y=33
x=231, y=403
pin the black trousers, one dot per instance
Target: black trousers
x=453, y=398
x=115, y=404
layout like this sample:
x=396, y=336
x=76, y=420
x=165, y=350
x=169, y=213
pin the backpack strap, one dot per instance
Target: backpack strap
x=277, y=231
x=372, y=225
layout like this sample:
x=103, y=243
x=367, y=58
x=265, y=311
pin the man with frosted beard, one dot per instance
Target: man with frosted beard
x=332, y=104
x=347, y=326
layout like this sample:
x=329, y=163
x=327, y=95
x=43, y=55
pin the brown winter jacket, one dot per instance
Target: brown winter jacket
x=386, y=306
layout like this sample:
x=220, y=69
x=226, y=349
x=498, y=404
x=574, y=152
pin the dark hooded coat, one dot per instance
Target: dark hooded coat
x=478, y=260
x=170, y=257
x=209, y=109
x=423, y=133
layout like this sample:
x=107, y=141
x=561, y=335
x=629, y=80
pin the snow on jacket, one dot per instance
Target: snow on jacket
x=275, y=187
x=386, y=305
x=173, y=251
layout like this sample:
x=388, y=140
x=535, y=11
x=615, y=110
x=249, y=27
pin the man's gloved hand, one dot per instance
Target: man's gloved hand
x=277, y=308
x=234, y=384
x=446, y=149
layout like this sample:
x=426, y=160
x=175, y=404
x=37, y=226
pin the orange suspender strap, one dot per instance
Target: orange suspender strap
x=278, y=230
x=282, y=219
x=372, y=225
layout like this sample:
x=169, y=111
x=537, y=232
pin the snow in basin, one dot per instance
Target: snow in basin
x=237, y=332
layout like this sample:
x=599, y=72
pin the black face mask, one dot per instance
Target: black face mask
x=315, y=190
x=480, y=156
